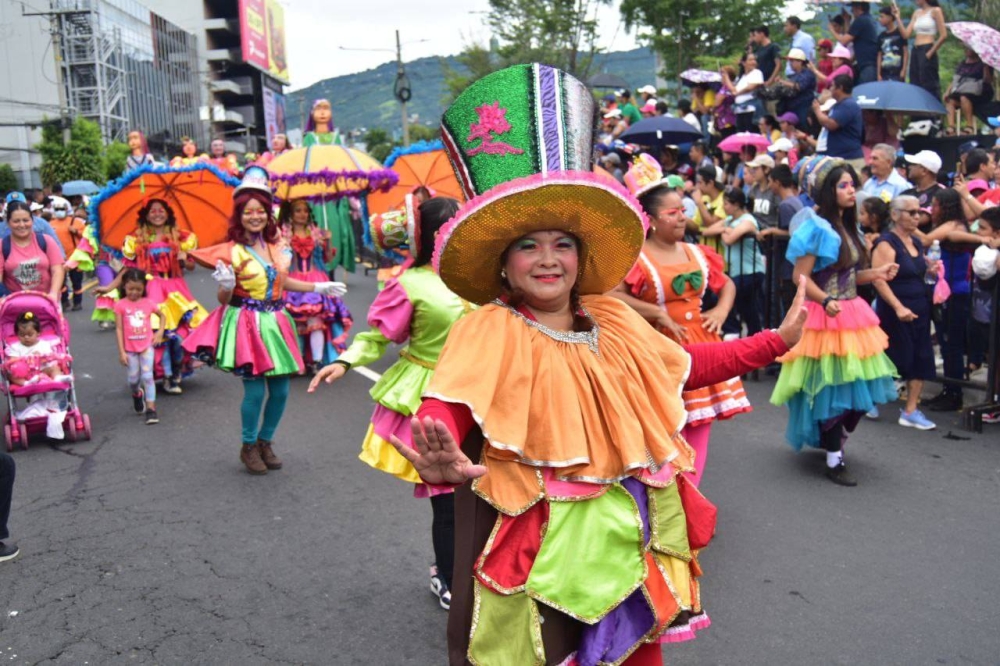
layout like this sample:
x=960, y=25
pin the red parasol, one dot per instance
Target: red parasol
x=422, y=164
x=200, y=195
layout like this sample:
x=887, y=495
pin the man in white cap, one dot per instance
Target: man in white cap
x=923, y=171
x=647, y=93
x=781, y=150
x=885, y=183
x=763, y=202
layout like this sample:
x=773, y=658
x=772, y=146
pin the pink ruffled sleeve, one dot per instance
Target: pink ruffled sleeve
x=391, y=313
x=636, y=280
x=716, y=268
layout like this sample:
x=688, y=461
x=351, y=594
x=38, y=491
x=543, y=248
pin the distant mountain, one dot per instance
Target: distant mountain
x=365, y=99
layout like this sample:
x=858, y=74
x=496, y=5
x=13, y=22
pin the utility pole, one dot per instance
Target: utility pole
x=402, y=97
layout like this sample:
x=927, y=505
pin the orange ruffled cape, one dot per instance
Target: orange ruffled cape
x=547, y=402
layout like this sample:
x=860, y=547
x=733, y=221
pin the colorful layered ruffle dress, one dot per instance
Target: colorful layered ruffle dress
x=254, y=335
x=312, y=311
x=418, y=309
x=679, y=289
x=839, y=370
x=584, y=527
x=167, y=288
x=105, y=268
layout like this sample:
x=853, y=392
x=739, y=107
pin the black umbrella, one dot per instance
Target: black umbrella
x=607, y=81
x=660, y=131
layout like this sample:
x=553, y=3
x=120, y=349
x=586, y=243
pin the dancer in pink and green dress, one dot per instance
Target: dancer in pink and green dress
x=322, y=322
x=419, y=310
x=251, y=334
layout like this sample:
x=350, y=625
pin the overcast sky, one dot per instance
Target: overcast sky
x=315, y=30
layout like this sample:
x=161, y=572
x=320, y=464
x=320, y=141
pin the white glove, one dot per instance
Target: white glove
x=330, y=288
x=224, y=275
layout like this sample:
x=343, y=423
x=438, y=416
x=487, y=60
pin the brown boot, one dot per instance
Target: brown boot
x=250, y=456
x=267, y=454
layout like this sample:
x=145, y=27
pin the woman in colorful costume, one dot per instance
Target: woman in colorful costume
x=839, y=371
x=251, y=334
x=568, y=398
x=332, y=216
x=160, y=249
x=666, y=287
x=322, y=321
x=419, y=310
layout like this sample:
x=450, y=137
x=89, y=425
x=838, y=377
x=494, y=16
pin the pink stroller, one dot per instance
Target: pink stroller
x=54, y=330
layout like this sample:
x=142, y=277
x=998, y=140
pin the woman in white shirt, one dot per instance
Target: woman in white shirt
x=743, y=90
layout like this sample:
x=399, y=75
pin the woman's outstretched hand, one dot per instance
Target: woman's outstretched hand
x=794, y=323
x=438, y=458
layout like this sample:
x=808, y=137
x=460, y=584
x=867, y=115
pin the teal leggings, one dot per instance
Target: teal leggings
x=254, y=391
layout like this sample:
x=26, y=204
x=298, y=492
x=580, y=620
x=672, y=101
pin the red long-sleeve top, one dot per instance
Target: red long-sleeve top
x=711, y=363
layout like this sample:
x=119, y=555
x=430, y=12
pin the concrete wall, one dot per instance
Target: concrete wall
x=28, y=91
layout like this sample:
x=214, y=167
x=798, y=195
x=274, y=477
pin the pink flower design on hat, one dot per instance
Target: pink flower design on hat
x=492, y=120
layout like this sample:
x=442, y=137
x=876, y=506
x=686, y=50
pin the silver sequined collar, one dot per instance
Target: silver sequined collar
x=588, y=338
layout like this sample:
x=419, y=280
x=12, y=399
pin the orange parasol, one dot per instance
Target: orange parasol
x=422, y=164
x=326, y=173
x=200, y=195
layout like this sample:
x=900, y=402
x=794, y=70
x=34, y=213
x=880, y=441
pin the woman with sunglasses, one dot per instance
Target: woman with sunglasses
x=666, y=287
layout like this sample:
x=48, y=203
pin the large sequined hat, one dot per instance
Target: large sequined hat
x=396, y=229
x=521, y=143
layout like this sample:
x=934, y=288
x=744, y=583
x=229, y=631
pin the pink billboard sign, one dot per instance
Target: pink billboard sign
x=253, y=33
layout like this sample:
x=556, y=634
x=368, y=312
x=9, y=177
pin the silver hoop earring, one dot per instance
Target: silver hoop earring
x=503, y=274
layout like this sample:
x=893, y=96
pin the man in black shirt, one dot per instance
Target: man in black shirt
x=767, y=52
x=923, y=171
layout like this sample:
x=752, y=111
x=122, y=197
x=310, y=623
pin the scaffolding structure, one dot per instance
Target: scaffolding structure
x=93, y=67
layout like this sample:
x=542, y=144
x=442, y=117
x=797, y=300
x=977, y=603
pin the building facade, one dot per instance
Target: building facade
x=119, y=64
x=241, y=48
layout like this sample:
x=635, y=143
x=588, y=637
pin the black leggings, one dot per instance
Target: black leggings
x=443, y=534
x=833, y=439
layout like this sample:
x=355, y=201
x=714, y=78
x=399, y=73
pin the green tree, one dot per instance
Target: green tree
x=378, y=143
x=8, y=181
x=682, y=31
x=81, y=158
x=561, y=33
x=115, y=159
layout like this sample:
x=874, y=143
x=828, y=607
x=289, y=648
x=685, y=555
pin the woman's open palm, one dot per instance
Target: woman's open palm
x=438, y=458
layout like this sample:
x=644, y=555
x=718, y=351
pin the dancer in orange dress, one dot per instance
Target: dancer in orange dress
x=666, y=287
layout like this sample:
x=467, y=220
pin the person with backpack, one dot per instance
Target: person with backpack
x=30, y=260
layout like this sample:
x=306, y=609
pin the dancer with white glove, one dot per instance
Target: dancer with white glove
x=251, y=334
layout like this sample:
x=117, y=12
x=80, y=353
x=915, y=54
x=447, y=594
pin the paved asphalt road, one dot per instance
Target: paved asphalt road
x=151, y=545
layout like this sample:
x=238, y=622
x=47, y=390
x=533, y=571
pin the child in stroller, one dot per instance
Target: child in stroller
x=37, y=368
x=31, y=360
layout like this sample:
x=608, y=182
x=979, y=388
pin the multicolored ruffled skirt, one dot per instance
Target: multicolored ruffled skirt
x=249, y=341
x=397, y=395
x=838, y=366
x=316, y=312
x=179, y=306
x=621, y=560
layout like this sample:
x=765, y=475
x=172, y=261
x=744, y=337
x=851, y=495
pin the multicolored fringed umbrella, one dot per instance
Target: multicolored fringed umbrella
x=200, y=195
x=692, y=77
x=327, y=173
x=982, y=39
x=424, y=164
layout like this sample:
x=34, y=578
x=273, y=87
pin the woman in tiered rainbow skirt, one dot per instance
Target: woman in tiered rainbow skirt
x=839, y=370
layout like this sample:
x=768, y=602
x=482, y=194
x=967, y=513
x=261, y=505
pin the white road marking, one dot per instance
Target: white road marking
x=370, y=374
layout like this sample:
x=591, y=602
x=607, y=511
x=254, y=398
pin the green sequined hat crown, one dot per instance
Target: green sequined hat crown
x=521, y=143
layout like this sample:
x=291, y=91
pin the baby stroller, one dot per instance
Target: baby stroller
x=53, y=329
